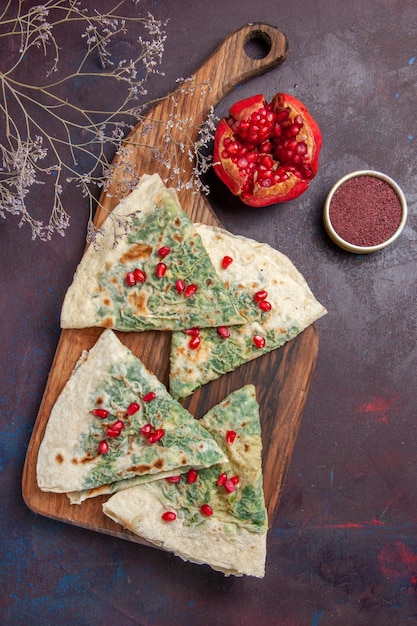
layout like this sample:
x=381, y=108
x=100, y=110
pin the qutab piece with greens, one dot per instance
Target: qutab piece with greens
x=159, y=275
x=215, y=515
x=272, y=296
x=115, y=424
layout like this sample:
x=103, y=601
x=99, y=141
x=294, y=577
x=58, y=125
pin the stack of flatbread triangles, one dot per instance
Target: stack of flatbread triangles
x=191, y=487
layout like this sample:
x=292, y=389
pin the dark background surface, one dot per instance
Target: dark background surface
x=343, y=549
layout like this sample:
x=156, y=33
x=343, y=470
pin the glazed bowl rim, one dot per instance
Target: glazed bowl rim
x=346, y=245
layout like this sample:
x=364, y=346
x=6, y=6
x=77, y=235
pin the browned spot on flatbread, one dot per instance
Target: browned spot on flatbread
x=107, y=301
x=139, y=251
x=59, y=458
x=139, y=469
x=159, y=464
x=138, y=300
x=93, y=490
x=246, y=447
x=107, y=322
x=100, y=400
x=178, y=237
x=86, y=459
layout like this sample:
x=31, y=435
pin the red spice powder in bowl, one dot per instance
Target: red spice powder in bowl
x=365, y=211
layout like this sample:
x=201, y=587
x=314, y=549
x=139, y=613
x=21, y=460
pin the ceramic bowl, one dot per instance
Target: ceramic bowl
x=352, y=247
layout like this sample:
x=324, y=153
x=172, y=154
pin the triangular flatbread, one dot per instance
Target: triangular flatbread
x=233, y=538
x=156, y=276
x=273, y=297
x=113, y=421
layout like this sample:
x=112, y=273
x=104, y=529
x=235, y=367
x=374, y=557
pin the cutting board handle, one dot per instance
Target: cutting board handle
x=231, y=64
x=154, y=144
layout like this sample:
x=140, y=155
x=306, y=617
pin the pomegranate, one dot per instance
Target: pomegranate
x=267, y=153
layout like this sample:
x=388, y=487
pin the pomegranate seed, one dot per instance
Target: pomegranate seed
x=149, y=396
x=132, y=408
x=267, y=147
x=260, y=295
x=194, y=342
x=139, y=275
x=229, y=485
x=130, y=279
x=160, y=270
x=193, y=332
x=164, y=251
x=206, y=510
x=156, y=435
x=169, y=516
x=190, y=291
x=235, y=480
x=230, y=436
x=103, y=447
x=115, y=429
x=191, y=476
x=227, y=260
x=293, y=130
x=265, y=160
x=146, y=429
x=110, y=432
x=265, y=305
x=223, y=331
x=259, y=341
x=101, y=413
x=174, y=479
x=180, y=286
x=221, y=479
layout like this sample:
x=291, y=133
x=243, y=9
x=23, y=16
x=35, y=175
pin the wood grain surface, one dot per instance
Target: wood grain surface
x=282, y=377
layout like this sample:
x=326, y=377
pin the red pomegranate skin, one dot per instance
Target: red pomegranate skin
x=267, y=153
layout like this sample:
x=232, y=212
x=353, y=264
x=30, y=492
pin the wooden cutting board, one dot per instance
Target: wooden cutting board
x=282, y=377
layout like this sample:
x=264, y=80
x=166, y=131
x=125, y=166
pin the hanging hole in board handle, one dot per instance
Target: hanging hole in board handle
x=258, y=44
